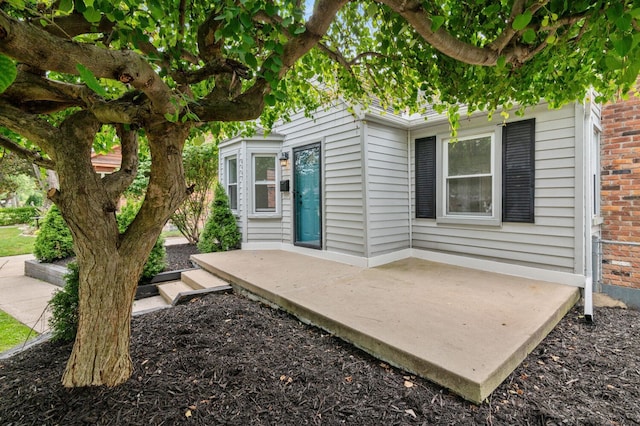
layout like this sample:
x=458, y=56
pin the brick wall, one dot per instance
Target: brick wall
x=620, y=196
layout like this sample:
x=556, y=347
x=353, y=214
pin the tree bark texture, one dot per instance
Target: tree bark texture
x=110, y=263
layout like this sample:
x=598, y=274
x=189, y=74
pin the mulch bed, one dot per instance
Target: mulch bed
x=223, y=359
x=178, y=256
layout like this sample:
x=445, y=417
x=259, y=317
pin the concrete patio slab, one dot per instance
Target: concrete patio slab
x=464, y=329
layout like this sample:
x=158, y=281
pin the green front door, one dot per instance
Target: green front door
x=306, y=196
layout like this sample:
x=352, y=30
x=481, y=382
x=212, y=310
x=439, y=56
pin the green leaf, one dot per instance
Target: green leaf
x=612, y=63
x=551, y=39
x=156, y=11
x=270, y=99
x=502, y=61
x=8, y=72
x=623, y=45
x=171, y=118
x=372, y=9
x=90, y=80
x=66, y=6
x=246, y=20
x=529, y=35
x=624, y=22
x=92, y=15
x=490, y=11
x=17, y=4
x=436, y=22
x=521, y=21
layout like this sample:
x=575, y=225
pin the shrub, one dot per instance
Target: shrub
x=221, y=230
x=64, y=307
x=54, y=241
x=17, y=215
x=157, y=258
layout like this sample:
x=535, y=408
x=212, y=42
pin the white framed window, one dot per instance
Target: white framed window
x=468, y=176
x=232, y=182
x=264, y=168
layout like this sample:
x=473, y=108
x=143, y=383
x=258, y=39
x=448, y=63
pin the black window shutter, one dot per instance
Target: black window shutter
x=426, y=177
x=518, y=172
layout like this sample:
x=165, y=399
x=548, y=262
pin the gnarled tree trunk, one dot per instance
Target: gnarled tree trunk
x=111, y=263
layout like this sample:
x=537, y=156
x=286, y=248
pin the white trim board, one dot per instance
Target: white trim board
x=558, y=277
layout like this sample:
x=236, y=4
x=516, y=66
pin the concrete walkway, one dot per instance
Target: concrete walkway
x=26, y=299
x=22, y=297
x=462, y=328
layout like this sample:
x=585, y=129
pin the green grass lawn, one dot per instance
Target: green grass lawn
x=173, y=233
x=12, y=243
x=12, y=332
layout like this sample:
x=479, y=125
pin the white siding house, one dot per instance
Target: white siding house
x=370, y=188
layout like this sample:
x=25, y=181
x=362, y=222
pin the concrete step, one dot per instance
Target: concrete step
x=176, y=292
x=149, y=304
x=171, y=291
x=201, y=279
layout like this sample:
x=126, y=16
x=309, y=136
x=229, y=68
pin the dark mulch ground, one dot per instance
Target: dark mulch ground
x=224, y=359
x=178, y=256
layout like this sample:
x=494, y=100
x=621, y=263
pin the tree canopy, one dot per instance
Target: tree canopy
x=79, y=75
x=209, y=63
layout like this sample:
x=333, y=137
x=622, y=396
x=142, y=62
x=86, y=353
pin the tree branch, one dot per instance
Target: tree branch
x=30, y=126
x=30, y=155
x=74, y=25
x=209, y=48
x=217, y=66
x=217, y=106
x=503, y=40
x=29, y=91
x=441, y=40
x=34, y=46
x=116, y=182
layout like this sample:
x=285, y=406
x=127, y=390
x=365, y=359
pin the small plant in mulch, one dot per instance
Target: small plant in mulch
x=221, y=230
x=54, y=240
x=64, y=307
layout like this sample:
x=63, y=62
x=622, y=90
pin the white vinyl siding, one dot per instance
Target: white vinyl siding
x=387, y=189
x=342, y=180
x=549, y=242
x=264, y=230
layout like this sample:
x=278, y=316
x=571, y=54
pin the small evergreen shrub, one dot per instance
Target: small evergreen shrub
x=221, y=230
x=158, y=257
x=64, y=307
x=17, y=215
x=54, y=241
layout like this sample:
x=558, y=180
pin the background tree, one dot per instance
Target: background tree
x=201, y=172
x=15, y=173
x=75, y=73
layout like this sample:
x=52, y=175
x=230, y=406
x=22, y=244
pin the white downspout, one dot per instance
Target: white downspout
x=588, y=202
x=410, y=188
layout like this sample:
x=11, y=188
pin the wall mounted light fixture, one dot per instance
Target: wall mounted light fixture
x=284, y=158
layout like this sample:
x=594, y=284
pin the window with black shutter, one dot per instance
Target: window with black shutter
x=426, y=178
x=518, y=171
